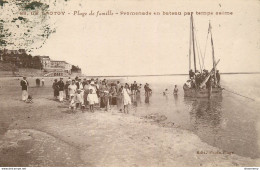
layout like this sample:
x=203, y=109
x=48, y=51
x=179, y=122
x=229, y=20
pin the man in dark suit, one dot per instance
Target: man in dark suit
x=24, y=83
x=61, y=89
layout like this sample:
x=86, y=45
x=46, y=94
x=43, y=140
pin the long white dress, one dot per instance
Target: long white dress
x=126, y=97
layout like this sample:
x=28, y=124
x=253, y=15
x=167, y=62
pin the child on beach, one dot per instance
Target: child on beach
x=29, y=99
x=91, y=100
x=175, y=91
x=79, y=100
x=72, y=104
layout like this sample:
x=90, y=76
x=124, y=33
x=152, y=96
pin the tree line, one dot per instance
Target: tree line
x=23, y=60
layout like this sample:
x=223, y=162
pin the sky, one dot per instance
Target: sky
x=156, y=44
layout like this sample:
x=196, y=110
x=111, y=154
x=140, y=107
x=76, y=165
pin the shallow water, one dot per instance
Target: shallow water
x=230, y=123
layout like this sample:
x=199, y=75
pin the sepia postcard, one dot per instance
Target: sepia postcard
x=129, y=83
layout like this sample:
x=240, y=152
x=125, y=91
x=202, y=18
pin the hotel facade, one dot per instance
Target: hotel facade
x=55, y=67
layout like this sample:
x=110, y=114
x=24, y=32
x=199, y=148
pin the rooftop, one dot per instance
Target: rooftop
x=43, y=56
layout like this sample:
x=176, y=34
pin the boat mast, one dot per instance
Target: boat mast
x=192, y=28
x=213, y=56
x=190, y=48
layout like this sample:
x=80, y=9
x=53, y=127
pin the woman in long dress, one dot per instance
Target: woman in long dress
x=113, y=96
x=94, y=92
x=103, y=96
x=126, y=98
x=120, y=98
x=86, y=92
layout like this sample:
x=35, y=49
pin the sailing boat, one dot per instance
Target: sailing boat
x=200, y=90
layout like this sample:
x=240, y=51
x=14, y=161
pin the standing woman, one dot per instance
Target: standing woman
x=55, y=88
x=97, y=88
x=66, y=88
x=86, y=92
x=72, y=89
x=120, y=98
x=24, y=83
x=126, y=98
x=113, y=95
x=102, y=89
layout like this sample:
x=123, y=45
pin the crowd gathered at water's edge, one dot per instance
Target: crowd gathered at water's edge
x=222, y=123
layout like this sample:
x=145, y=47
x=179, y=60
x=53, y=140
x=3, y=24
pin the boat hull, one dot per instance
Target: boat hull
x=203, y=93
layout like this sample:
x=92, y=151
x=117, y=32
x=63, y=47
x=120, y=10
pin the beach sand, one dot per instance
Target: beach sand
x=46, y=133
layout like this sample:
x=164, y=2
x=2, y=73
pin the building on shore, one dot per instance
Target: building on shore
x=55, y=67
x=46, y=61
x=68, y=68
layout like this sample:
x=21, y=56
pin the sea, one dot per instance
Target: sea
x=230, y=123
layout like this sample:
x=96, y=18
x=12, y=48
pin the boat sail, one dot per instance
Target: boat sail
x=203, y=84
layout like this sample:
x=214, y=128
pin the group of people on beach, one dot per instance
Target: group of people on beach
x=94, y=92
x=197, y=78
